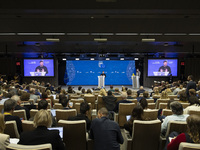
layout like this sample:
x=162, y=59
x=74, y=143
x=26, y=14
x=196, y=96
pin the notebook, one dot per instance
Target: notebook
x=58, y=128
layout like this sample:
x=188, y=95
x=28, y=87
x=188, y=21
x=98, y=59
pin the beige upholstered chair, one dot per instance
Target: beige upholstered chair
x=185, y=105
x=172, y=96
x=161, y=101
x=27, y=125
x=65, y=114
x=74, y=97
x=56, y=101
x=31, y=101
x=145, y=136
x=29, y=147
x=162, y=105
x=166, y=112
x=151, y=105
x=58, y=106
x=150, y=100
x=194, y=112
x=150, y=114
x=33, y=112
x=124, y=110
x=11, y=129
x=76, y=101
x=119, y=98
x=20, y=113
x=90, y=99
x=74, y=135
x=133, y=100
x=188, y=146
x=100, y=102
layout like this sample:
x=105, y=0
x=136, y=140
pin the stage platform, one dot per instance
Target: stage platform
x=107, y=87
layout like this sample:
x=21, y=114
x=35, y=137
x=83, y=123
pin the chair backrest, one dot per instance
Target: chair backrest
x=185, y=105
x=161, y=101
x=29, y=147
x=56, y=101
x=65, y=114
x=27, y=125
x=150, y=100
x=1, y=107
x=33, y=112
x=167, y=112
x=58, y=106
x=31, y=101
x=172, y=96
x=119, y=98
x=133, y=100
x=194, y=112
x=90, y=99
x=74, y=135
x=150, y=114
x=74, y=96
x=146, y=135
x=178, y=126
x=20, y=113
x=100, y=102
x=11, y=129
x=162, y=105
x=76, y=101
x=188, y=146
x=124, y=110
x=151, y=105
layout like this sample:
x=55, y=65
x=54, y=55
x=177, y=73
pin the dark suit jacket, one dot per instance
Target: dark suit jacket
x=110, y=102
x=129, y=97
x=106, y=134
x=17, y=119
x=82, y=117
x=140, y=91
x=26, y=109
x=190, y=85
x=41, y=135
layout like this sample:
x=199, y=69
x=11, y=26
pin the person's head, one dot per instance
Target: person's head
x=32, y=91
x=44, y=95
x=129, y=92
x=61, y=96
x=124, y=96
x=181, y=86
x=145, y=94
x=183, y=96
x=65, y=102
x=109, y=93
x=164, y=95
x=137, y=70
x=89, y=91
x=143, y=103
x=41, y=63
x=111, y=86
x=103, y=112
x=116, y=90
x=25, y=97
x=102, y=92
x=165, y=63
x=137, y=112
x=192, y=92
x=42, y=104
x=9, y=105
x=190, y=77
x=79, y=88
x=103, y=72
x=193, y=124
x=84, y=108
x=123, y=89
x=17, y=99
x=83, y=91
x=141, y=88
x=177, y=85
x=48, y=92
x=193, y=100
x=42, y=118
x=176, y=108
x=2, y=123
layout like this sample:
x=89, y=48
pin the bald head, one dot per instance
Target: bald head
x=103, y=112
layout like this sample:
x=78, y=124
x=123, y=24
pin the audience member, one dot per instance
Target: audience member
x=129, y=94
x=4, y=140
x=32, y=95
x=110, y=101
x=65, y=103
x=111, y=88
x=192, y=96
x=191, y=84
x=183, y=97
x=177, y=89
x=137, y=114
x=106, y=133
x=177, y=110
x=25, y=97
x=194, y=105
x=160, y=116
x=41, y=135
x=140, y=91
x=44, y=96
x=143, y=103
x=9, y=107
x=164, y=95
x=102, y=92
x=83, y=91
x=116, y=92
x=84, y=111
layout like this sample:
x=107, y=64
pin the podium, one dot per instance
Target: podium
x=38, y=73
x=101, y=81
x=135, y=82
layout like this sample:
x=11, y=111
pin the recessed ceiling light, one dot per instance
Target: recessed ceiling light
x=100, y=39
x=77, y=58
x=53, y=33
x=28, y=34
x=64, y=59
x=52, y=39
x=128, y=34
x=148, y=40
x=78, y=34
x=7, y=33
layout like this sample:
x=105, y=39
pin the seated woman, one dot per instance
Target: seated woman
x=41, y=135
x=136, y=115
x=4, y=140
x=164, y=95
x=183, y=97
x=192, y=135
x=143, y=102
x=102, y=92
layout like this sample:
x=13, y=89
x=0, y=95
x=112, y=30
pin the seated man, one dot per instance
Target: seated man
x=129, y=94
x=84, y=110
x=65, y=103
x=177, y=110
x=194, y=105
x=19, y=107
x=145, y=95
x=111, y=88
x=110, y=101
x=106, y=133
x=9, y=107
x=32, y=95
x=116, y=109
x=192, y=95
x=141, y=90
x=116, y=92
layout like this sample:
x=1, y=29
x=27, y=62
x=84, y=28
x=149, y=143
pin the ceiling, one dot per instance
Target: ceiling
x=25, y=25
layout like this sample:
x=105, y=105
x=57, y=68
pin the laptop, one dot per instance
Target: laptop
x=128, y=117
x=60, y=130
x=53, y=112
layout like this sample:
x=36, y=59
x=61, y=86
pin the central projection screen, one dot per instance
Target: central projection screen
x=86, y=72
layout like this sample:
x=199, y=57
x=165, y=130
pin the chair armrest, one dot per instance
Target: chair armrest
x=116, y=115
x=90, y=144
x=127, y=141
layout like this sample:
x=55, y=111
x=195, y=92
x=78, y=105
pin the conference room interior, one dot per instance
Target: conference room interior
x=100, y=30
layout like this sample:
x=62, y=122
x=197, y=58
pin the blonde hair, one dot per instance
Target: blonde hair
x=164, y=95
x=193, y=123
x=102, y=92
x=42, y=118
x=48, y=92
x=2, y=123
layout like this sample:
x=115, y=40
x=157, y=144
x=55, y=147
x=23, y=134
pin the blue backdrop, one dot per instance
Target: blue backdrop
x=155, y=64
x=86, y=72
